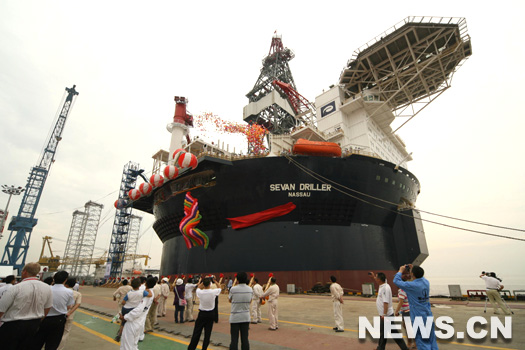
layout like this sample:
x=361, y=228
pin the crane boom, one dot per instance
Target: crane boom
x=304, y=110
x=22, y=225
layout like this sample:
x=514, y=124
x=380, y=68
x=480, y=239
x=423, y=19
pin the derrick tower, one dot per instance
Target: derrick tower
x=267, y=107
x=81, y=240
x=121, y=224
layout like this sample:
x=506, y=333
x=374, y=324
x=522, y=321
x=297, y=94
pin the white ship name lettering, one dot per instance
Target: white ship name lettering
x=299, y=194
x=282, y=187
x=302, y=187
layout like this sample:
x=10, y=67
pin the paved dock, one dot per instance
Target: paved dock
x=305, y=322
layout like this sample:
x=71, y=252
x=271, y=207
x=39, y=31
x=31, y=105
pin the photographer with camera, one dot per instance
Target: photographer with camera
x=206, y=315
x=418, y=291
x=403, y=307
x=493, y=285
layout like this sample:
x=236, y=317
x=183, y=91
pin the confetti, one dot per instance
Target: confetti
x=255, y=133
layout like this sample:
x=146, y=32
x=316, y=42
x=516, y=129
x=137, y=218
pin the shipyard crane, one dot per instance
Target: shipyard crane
x=22, y=225
x=54, y=261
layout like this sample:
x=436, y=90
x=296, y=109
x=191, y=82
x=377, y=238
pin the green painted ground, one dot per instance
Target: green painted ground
x=104, y=329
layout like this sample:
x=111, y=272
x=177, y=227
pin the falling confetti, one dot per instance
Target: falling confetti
x=254, y=133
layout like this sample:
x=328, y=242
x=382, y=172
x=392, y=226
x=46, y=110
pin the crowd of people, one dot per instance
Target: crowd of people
x=34, y=314
x=246, y=297
x=140, y=302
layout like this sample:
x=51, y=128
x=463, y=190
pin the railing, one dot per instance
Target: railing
x=460, y=21
x=231, y=156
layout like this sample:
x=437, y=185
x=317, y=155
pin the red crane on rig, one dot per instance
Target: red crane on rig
x=303, y=109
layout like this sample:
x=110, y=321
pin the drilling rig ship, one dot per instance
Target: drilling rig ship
x=296, y=212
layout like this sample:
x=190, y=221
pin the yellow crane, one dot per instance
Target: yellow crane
x=54, y=261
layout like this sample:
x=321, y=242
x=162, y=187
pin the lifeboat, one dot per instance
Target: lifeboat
x=317, y=148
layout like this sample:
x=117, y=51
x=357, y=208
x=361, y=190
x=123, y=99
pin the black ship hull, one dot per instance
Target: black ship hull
x=345, y=223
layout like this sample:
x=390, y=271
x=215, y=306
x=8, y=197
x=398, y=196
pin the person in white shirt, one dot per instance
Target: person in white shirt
x=206, y=315
x=214, y=284
x=143, y=282
x=164, y=294
x=336, y=291
x=22, y=307
x=151, y=319
x=273, y=294
x=385, y=309
x=255, y=307
x=118, y=296
x=131, y=301
x=70, y=283
x=52, y=327
x=188, y=312
x=9, y=282
x=135, y=319
x=493, y=285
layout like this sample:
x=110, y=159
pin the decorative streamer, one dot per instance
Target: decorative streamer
x=192, y=235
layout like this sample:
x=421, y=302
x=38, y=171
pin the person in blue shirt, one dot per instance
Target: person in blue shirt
x=418, y=291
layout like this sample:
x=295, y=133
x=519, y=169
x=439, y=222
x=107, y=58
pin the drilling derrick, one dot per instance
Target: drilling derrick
x=267, y=107
x=21, y=226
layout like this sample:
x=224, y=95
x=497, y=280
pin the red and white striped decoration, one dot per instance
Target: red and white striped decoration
x=121, y=203
x=187, y=160
x=145, y=188
x=134, y=194
x=171, y=172
x=176, y=154
x=156, y=180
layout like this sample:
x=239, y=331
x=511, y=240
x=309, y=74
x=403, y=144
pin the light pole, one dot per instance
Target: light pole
x=10, y=190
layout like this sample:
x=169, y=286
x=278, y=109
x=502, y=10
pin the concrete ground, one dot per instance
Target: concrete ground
x=305, y=322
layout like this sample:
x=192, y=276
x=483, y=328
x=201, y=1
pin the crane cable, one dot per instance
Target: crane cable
x=388, y=202
x=96, y=201
x=322, y=180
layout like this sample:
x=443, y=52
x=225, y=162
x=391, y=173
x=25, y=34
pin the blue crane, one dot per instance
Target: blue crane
x=22, y=225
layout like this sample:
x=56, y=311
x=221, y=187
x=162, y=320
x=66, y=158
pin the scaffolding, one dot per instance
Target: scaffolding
x=81, y=240
x=73, y=239
x=121, y=224
x=133, y=238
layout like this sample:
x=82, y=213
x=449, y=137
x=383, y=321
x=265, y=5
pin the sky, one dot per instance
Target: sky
x=129, y=60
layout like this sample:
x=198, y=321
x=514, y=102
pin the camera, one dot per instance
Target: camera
x=407, y=268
